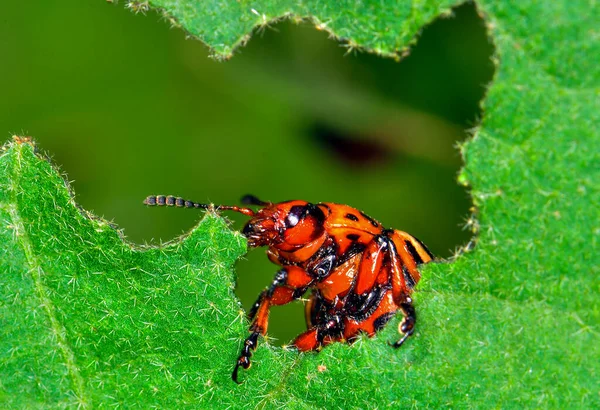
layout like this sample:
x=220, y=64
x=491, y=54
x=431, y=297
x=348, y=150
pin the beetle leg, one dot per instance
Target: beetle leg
x=370, y=265
x=402, y=253
x=363, y=299
x=256, y=305
x=288, y=284
x=406, y=253
x=372, y=318
x=320, y=335
x=407, y=326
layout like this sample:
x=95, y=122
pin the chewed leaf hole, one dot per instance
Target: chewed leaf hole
x=378, y=134
x=294, y=114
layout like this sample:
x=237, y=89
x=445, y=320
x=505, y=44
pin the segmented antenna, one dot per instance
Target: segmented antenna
x=170, y=200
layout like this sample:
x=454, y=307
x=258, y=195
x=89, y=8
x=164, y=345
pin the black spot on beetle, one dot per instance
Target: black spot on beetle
x=373, y=221
x=354, y=249
x=413, y=252
x=353, y=236
x=352, y=217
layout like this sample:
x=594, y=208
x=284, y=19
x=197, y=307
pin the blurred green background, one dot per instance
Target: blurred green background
x=127, y=106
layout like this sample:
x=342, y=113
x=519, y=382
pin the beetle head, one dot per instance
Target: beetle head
x=286, y=225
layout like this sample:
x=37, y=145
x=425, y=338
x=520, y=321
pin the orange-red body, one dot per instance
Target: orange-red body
x=360, y=273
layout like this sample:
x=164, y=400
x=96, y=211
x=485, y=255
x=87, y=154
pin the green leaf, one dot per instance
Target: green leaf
x=87, y=319
x=386, y=27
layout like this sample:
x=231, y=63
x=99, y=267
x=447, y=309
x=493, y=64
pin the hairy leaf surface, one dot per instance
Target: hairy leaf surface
x=87, y=319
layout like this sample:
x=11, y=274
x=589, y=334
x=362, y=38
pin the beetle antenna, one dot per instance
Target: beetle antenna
x=170, y=200
x=253, y=200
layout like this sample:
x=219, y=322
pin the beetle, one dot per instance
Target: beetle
x=359, y=273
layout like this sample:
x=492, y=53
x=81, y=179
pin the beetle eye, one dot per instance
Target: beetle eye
x=296, y=213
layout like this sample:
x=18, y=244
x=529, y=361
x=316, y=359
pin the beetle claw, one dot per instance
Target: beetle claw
x=234, y=375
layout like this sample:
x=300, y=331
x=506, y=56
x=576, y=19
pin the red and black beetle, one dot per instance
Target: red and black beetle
x=359, y=273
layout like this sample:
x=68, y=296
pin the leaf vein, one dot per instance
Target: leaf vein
x=42, y=291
